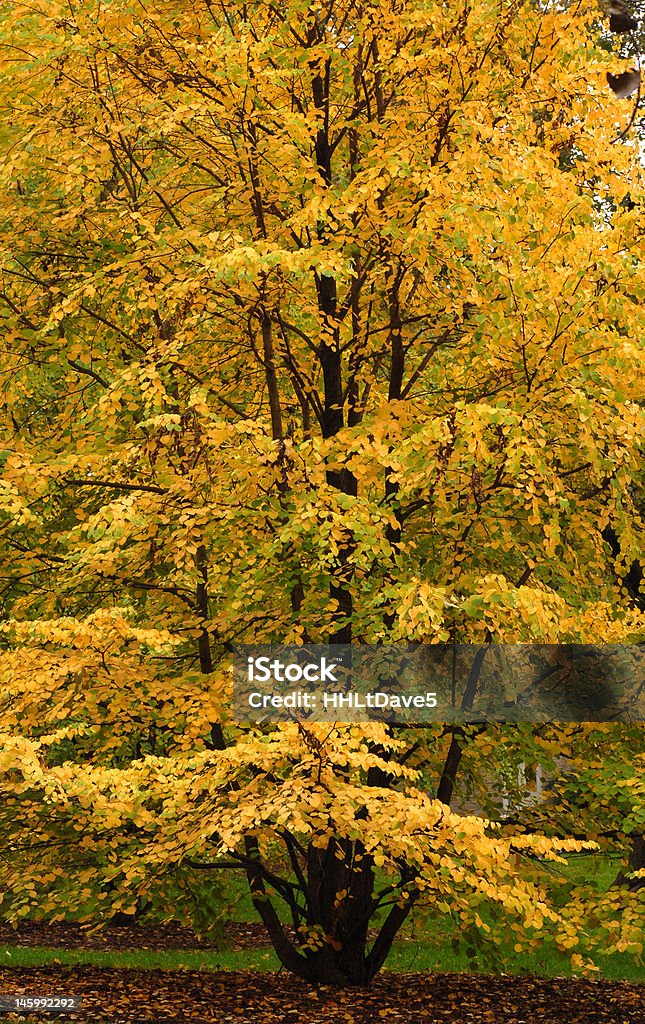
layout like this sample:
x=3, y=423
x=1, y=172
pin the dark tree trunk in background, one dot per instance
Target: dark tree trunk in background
x=636, y=863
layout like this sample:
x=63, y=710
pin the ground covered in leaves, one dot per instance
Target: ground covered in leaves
x=119, y=996
x=245, y=997
x=235, y=935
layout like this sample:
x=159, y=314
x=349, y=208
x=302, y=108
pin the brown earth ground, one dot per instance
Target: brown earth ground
x=116, y=996
x=159, y=937
x=245, y=997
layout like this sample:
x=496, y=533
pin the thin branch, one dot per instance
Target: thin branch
x=151, y=488
x=88, y=371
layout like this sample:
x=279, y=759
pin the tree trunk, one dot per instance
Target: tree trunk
x=331, y=944
x=636, y=863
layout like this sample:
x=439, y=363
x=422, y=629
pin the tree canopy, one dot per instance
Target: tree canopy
x=321, y=323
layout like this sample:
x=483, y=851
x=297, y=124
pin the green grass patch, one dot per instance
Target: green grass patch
x=545, y=963
x=144, y=959
x=409, y=955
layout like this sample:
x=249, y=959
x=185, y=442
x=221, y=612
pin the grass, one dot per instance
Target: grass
x=546, y=963
x=409, y=955
x=144, y=959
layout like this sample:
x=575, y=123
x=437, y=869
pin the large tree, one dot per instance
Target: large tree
x=321, y=323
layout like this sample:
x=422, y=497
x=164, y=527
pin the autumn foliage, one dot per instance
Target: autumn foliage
x=321, y=322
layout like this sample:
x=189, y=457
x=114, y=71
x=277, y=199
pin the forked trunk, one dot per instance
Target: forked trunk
x=332, y=945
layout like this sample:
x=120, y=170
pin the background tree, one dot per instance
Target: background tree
x=321, y=324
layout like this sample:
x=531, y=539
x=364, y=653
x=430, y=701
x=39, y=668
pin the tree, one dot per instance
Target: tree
x=321, y=325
